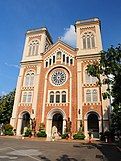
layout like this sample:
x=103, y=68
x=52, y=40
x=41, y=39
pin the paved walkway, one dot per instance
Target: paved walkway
x=30, y=149
x=46, y=139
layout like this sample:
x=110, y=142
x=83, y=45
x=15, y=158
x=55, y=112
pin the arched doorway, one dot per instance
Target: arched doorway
x=93, y=124
x=25, y=121
x=56, y=117
x=57, y=121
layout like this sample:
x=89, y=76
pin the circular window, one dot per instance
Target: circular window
x=58, y=77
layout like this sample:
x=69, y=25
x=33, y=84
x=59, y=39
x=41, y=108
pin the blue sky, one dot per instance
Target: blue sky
x=18, y=16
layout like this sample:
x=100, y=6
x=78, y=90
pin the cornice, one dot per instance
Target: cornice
x=30, y=62
x=87, y=56
x=60, y=42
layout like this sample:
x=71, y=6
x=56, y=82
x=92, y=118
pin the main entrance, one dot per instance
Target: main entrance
x=25, y=121
x=57, y=122
x=93, y=124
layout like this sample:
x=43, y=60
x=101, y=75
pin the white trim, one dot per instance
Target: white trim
x=53, y=111
x=60, y=90
x=20, y=119
x=91, y=90
x=27, y=94
x=35, y=92
x=45, y=87
x=53, y=72
x=13, y=120
x=56, y=67
x=86, y=121
x=79, y=92
x=63, y=52
x=49, y=118
x=92, y=111
x=44, y=99
x=70, y=105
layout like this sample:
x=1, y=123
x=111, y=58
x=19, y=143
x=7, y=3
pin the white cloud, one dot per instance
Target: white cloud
x=12, y=65
x=3, y=93
x=69, y=36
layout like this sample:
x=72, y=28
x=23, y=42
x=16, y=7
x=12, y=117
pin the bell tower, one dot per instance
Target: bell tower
x=89, y=45
x=88, y=36
x=36, y=43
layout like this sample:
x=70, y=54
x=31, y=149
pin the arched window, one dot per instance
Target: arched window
x=84, y=42
x=94, y=79
x=88, y=40
x=46, y=63
x=24, y=97
x=51, y=97
x=53, y=59
x=58, y=55
x=37, y=47
x=57, y=97
x=91, y=95
x=89, y=79
x=93, y=41
x=29, y=97
x=32, y=79
x=33, y=48
x=88, y=96
x=29, y=79
x=94, y=95
x=63, y=97
x=63, y=57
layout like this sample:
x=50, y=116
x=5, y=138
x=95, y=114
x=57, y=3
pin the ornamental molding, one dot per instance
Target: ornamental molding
x=34, y=37
x=58, y=77
x=31, y=67
x=92, y=28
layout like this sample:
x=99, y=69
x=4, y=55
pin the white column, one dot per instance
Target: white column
x=43, y=41
x=44, y=100
x=85, y=128
x=18, y=130
x=49, y=127
x=36, y=82
x=79, y=93
x=17, y=99
x=70, y=108
x=64, y=126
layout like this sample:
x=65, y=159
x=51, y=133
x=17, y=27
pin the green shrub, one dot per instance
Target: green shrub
x=41, y=126
x=28, y=132
x=41, y=133
x=8, y=129
x=8, y=132
x=79, y=136
x=64, y=136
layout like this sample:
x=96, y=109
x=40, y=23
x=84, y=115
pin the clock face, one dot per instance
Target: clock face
x=58, y=77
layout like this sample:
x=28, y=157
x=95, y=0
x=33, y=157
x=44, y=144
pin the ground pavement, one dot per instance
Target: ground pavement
x=17, y=149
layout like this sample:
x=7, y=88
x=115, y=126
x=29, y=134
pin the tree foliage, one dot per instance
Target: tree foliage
x=6, y=106
x=109, y=66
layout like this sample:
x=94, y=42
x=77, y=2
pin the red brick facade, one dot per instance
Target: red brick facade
x=52, y=83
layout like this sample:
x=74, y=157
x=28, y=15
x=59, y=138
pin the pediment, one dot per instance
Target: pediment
x=59, y=53
x=62, y=47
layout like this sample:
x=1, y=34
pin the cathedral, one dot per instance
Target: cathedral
x=54, y=86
